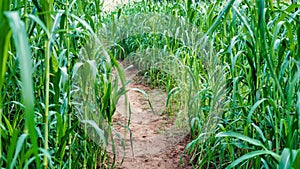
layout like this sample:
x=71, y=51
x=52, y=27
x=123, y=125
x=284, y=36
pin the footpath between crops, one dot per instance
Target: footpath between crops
x=156, y=141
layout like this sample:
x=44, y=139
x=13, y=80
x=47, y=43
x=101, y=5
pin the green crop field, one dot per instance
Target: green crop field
x=231, y=71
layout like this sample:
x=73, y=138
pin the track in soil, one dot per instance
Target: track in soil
x=156, y=142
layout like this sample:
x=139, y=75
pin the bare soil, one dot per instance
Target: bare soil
x=156, y=141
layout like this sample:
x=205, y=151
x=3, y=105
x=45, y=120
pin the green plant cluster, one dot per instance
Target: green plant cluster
x=255, y=121
x=58, y=90
x=241, y=102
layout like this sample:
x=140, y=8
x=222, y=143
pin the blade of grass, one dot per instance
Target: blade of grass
x=222, y=15
x=241, y=137
x=4, y=43
x=20, y=143
x=251, y=155
x=23, y=52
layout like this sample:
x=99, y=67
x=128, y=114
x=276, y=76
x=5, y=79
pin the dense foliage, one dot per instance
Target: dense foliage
x=258, y=45
x=243, y=110
x=45, y=107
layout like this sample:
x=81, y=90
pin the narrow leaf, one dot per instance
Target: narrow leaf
x=241, y=137
x=24, y=54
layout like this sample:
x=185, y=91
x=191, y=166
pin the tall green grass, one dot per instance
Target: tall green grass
x=5, y=39
x=258, y=125
x=240, y=101
x=41, y=48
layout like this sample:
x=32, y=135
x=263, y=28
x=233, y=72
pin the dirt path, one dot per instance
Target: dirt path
x=156, y=143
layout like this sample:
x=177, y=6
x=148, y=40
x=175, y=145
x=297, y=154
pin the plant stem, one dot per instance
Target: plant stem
x=69, y=83
x=0, y=128
x=48, y=6
x=47, y=72
x=25, y=13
